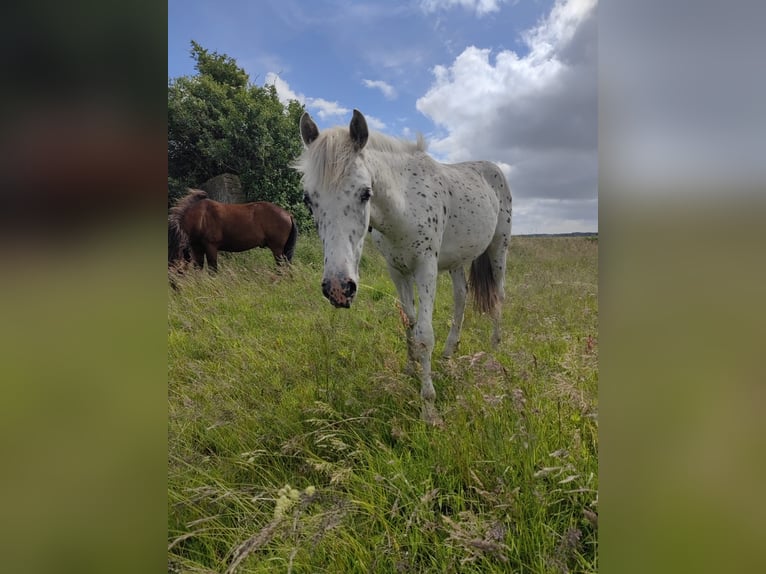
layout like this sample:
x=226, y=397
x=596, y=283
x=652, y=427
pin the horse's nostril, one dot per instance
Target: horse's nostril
x=326, y=288
x=350, y=288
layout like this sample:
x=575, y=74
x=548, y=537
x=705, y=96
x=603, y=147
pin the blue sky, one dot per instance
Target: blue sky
x=508, y=81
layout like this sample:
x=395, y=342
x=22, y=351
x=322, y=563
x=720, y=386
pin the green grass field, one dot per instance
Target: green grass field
x=295, y=439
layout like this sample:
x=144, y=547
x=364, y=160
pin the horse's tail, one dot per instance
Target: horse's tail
x=178, y=243
x=482, y=283
x=178, y=240
x=289, y=249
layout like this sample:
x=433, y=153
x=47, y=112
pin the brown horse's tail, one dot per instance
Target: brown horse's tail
x=178, y=240
x=289, y=249
x=482, y=284
x=178, y=243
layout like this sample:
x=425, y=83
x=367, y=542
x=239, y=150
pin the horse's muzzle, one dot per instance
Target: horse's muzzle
x=339, y=292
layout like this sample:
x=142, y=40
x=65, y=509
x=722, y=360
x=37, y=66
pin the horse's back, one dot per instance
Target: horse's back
x=256, y=224
x=492, y=175
x=495, y=179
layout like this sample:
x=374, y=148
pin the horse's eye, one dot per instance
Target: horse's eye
x=366, y=194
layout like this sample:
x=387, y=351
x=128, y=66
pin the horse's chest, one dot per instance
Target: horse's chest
x=404, y=249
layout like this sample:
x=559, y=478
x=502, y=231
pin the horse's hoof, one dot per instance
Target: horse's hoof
x=431, y=416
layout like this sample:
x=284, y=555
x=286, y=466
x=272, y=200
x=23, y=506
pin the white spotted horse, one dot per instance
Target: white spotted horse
x=425, y=217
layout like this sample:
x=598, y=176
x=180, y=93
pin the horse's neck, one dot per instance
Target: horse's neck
x=387, y=170
x=388, y=173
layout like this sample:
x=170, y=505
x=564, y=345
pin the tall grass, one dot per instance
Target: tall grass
x=295, y=438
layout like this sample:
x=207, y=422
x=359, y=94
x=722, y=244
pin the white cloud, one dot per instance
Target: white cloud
x=284, y=93
x=374, y=122
x=323, y=108
x=481, y=7
x=387, y=89
x=535, y=115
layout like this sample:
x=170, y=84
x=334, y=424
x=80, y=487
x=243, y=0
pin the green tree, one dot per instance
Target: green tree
x=219, y=122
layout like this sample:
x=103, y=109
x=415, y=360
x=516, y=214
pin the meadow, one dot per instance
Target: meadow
x=295, y=442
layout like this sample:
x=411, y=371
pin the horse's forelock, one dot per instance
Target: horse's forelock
x=324, y=162
x=327, y=159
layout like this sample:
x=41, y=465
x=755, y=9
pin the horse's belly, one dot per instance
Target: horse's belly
x=234, y=244
x=456, y=239
x=467, y=233
x=234, y=247
x=454, y=250
x=458, y=250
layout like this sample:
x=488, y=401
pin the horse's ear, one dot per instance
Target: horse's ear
x=358, y=130
x=309, y=130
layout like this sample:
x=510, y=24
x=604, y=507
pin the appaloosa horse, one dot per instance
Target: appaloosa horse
x=425, y=217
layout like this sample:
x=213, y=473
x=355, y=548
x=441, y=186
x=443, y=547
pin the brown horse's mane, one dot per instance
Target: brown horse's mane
x=182, y=204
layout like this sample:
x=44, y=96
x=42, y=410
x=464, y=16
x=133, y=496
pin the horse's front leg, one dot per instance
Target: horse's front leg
x=211, y=253
x=423, y=336
x=459, y=289
x=198, y=256
x=404, y=288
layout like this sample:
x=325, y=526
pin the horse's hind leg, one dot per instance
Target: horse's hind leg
x=279, y=256
x=497, y=252
x=459, y=289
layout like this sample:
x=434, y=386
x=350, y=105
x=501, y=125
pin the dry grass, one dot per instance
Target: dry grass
x=270, y=386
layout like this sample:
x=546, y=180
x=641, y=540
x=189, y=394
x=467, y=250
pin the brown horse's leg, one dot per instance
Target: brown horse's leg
x=279, y=255
x=212, y=258
x=198, y=256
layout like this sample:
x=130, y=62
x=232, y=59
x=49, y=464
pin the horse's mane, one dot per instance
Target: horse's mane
x=182, y=204
x=335, y=143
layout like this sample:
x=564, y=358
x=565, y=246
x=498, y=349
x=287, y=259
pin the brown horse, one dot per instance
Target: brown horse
x=199, y=228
